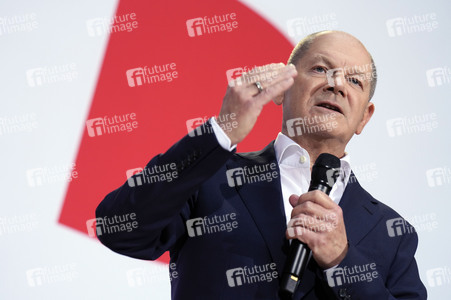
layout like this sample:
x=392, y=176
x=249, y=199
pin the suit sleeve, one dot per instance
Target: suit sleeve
x=162, y=206
x=402, y=281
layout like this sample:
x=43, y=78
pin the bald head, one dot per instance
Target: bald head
x=305, y=44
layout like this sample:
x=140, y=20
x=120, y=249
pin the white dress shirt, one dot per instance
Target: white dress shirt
x=294, y=165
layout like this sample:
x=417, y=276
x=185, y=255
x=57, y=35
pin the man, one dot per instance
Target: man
x=224, y=218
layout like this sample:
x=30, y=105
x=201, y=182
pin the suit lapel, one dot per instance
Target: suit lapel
x=264, y=201
x=359, y=211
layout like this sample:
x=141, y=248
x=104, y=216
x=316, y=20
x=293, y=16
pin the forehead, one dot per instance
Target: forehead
x=338, y=49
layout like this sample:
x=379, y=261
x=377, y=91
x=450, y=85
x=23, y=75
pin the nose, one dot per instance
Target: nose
x=335, y=82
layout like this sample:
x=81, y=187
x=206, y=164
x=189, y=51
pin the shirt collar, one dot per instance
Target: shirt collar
x=288, y=152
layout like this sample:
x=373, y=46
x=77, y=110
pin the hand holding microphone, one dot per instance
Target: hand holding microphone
x=316, y=226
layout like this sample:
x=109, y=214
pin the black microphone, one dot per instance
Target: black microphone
x=324, y=174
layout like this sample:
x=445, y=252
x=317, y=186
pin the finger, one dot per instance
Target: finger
x=319, y=198
x=267, y=78
x=293, y=200
x=269, y=68
x=301, y=233
x=273, y=91
x=261, y=73
x=310, y=209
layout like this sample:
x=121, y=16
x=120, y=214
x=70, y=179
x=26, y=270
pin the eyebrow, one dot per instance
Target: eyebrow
x=323, y=58
x=329, y=63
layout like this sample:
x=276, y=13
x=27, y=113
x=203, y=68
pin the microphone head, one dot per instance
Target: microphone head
x=325, y=172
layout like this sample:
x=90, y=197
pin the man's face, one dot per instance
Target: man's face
x=328, y=89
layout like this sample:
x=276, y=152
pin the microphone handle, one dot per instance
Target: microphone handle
x=299, y=254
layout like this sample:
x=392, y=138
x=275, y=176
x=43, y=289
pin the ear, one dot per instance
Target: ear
x=279, y=99
x=367, y=114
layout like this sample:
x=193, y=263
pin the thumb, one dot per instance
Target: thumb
x=294, y=200
x=278, y=99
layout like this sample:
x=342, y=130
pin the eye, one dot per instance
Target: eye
x=355, y=81
x=319, y=69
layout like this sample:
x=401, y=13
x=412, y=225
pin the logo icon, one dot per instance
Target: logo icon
x=193, y=126
x=332, y=176
x=395, y=127
x=235, y=277
x=335, y=77
x=296, y=27
x=134, y=180
x=94, y=126
x=395, y=27
x=233, y=76
x=435, y=277
x=35, y=177
x=96, y=26
x=235, y=177
x=35, y=77
x=35, y=277
x=335, y=277
x=436, y=77
x=435, y=177
x=135, y=277
x=295, y=126
x=135, y=77
x=397, y=227
x=94, y=228
x=195, y=227
x=195, y=27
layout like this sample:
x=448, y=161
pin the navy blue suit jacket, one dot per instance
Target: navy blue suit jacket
x=244, y=260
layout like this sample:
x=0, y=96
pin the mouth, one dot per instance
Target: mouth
x=330, y=106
